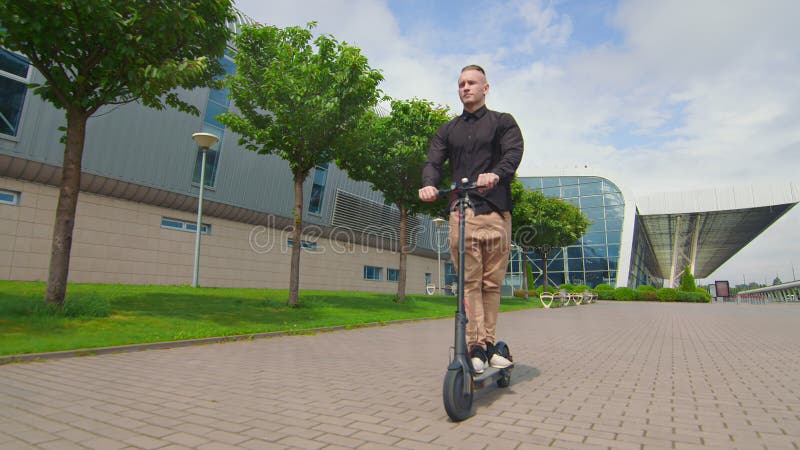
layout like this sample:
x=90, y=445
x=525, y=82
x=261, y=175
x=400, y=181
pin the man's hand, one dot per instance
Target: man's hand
x=428, y=194
x=487, y=180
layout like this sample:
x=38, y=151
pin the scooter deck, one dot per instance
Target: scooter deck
x=490, y=375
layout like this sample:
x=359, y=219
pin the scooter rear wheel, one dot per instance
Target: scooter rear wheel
x=457, y=403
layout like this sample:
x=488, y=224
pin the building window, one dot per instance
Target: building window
x=373, y=273
x=318, y=189
x=392, y=274
x=13, y=87
x=218, y=102
x=308, y=245
x=183, y=225
x=9, y=197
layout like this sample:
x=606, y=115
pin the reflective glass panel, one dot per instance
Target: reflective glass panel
x=552, y=191
x=595, y=251
x=613, y=199
x=596, y=264
x=570, y=191
x=574, y=252
x=576, y=277
x=13, y=63
x=550, y=182
x=593, y=214
x=594, y=238
x=593, y=201
x=593, y=187
x=615, y=212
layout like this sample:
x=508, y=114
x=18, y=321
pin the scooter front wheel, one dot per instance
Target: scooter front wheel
x=457, y=403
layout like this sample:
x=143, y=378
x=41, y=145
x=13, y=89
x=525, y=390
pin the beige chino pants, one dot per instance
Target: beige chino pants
x=487, y=243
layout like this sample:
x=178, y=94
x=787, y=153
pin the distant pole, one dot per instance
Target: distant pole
x=794, y=277
x=204, y=141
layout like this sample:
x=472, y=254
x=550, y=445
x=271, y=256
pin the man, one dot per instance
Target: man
x=485, y=147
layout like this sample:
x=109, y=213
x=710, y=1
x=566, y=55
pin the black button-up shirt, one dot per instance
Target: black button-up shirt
x=475, y=143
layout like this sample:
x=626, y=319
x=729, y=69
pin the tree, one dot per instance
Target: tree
x=93, y=53
x=777, y=281
x=687, y=280
x=543, y=223
x=392, y=153
x=299, y=100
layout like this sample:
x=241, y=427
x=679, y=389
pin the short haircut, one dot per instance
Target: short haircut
x=474, y=67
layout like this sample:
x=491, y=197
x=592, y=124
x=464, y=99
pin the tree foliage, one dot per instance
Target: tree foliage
x=299, y=98
x=542, y=223
x=390, y=156
x=93, y=53
x=688, y=283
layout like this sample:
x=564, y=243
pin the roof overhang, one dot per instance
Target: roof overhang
x=703, y=229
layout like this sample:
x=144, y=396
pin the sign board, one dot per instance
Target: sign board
x=722, y=289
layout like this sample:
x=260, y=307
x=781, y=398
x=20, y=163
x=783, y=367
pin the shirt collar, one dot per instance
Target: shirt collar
x=468, y=116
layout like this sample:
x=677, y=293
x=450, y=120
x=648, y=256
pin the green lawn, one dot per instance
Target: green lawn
x=102, y=315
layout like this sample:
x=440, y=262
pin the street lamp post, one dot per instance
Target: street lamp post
x=204, y=141
x=439, y=222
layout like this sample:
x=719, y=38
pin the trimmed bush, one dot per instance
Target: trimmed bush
x=605, y=294
x=647, y=295
x=691, y=297
x=667, y=294
x=604, y=287
x=645, y=288
x=687, y=281
x=624, y=294
x=581, y=288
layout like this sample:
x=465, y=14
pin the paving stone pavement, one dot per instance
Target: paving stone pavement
x=608, y=375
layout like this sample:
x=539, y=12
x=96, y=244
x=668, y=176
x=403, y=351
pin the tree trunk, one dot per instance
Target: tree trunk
x=61, y=247
x=297, y=244
x=401, y=277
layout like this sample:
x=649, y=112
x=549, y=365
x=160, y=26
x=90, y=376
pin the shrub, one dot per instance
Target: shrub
x=624, y=294
x=581, y=288
x=667, y=294
x=645, y=288
x=691, y=297
x=605, y=294
x=603, y=287
x=648, y=295
x=687, y=281
x=705, y=293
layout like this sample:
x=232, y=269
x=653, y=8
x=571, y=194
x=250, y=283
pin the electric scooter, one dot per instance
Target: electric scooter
x=461, y=381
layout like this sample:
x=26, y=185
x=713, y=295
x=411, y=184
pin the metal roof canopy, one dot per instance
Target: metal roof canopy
x=703, y=229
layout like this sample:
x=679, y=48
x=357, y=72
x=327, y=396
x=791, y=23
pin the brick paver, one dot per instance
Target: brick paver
x=606, y=375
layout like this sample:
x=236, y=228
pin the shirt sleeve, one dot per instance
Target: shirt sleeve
x=437, y=155
x=511, y=148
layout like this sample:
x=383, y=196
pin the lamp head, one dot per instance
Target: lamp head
x=205, y=140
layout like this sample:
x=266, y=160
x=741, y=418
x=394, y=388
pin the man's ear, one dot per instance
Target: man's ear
x=485, y=88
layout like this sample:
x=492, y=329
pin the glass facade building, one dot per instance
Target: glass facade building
x=595, y=257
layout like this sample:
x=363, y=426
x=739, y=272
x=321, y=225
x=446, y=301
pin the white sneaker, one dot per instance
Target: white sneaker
x=479, y=365
x=499, y=361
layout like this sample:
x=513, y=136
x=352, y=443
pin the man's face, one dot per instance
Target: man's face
x=472, y=88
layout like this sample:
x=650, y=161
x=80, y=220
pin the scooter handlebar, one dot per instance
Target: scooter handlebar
x=464, y=186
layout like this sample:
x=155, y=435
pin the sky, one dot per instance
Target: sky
x=656, y=95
